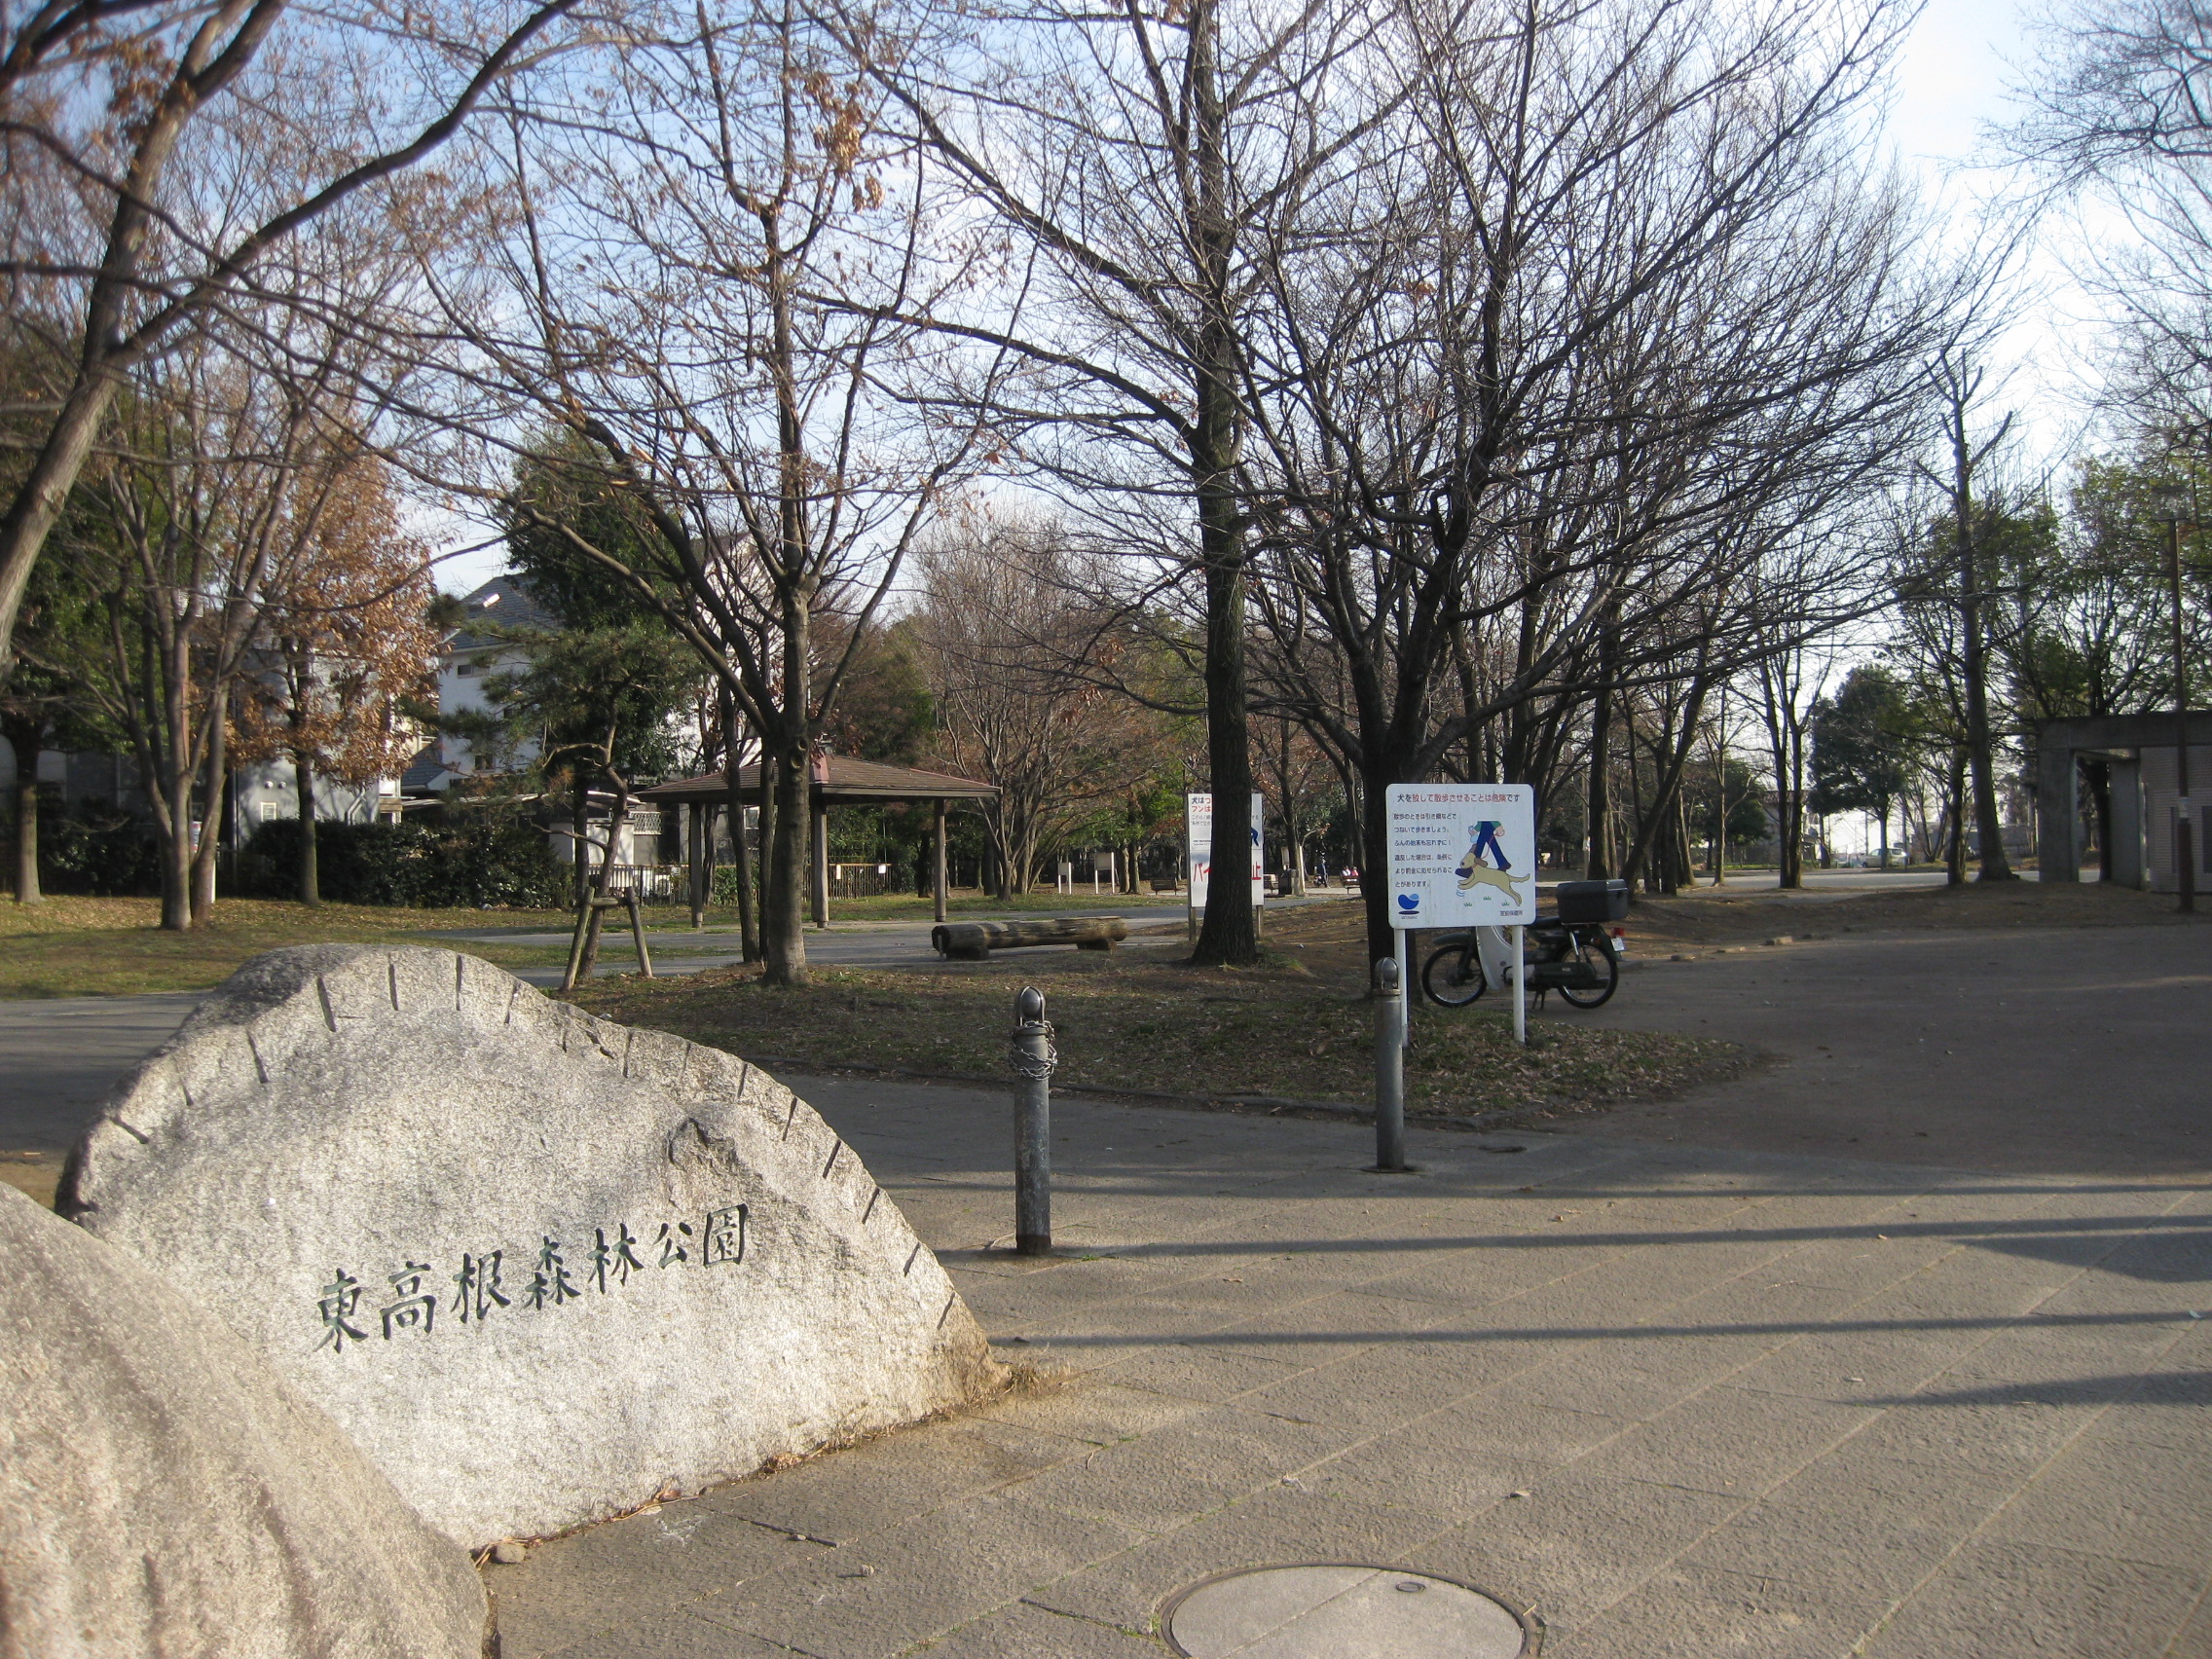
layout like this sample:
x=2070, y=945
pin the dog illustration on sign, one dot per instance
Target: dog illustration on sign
x=1473, y=872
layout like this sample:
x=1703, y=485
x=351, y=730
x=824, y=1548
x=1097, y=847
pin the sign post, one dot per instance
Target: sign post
x=1198, y=838
x=1464, y=856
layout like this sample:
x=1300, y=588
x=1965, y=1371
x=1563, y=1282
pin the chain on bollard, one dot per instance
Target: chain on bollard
x=1389, y=1067
x=1032, y=1058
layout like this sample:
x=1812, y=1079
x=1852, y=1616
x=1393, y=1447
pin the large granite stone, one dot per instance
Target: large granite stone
x=541, y=1266
x=164, y=1491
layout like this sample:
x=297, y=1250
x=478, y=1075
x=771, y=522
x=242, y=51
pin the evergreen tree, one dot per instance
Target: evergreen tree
x=1859, y=750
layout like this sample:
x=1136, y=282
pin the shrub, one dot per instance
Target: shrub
x=475, y=859
x=98, y=853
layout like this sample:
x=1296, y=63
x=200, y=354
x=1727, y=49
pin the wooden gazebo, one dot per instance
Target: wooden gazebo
x=838, y=781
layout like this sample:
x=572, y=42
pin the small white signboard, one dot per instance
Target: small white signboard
x=1197, y=826
x=1462, y=855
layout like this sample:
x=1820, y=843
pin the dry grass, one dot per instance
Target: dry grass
x=83, y=947
x=1144, y=1021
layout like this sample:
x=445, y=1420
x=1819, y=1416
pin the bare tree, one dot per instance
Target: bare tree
x=1959, y=381
x=1006, y=638
x=104, y=105
x=185, y=530
x=1553, y=364
x=701, y=276
x=1128, y=158
x=2119, y=110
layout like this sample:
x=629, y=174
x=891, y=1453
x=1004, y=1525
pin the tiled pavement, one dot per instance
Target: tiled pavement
x=1677, y=1401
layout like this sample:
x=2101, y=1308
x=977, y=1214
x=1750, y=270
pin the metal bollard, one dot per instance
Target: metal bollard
x=1032, y=1058
x=1389, y=1067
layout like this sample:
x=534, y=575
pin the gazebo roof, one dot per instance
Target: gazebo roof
x=848, y=782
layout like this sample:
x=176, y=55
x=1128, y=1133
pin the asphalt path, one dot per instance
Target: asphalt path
x=2027, y=1051
x=59, y=1058
x=2032, y=1050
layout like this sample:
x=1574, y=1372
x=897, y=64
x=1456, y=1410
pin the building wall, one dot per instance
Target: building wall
x=2159, y=777
x=267, y=790
x=80, y=780
x=462, y=674
x=270, y=790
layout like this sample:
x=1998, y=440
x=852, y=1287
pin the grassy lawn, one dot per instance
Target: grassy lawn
x=885, y=907
x=84, y=947
x=1296, y=1027
x=905, y=907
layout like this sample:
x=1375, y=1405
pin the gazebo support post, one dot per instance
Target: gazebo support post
x=695, y=842
x=936, y=879
x=821, y=862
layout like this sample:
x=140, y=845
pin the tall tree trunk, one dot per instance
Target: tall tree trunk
x=1230, y=936
x=765, y=852
x=1792, y=872
x=1597, y=863
x=24, y=737
x=303, y=776
x=176, y=852
x=1955, y=845
x=215, y=794
x=2099, y=777
x=783, y=897
x=1981, y=757
x=579, y=828
x=733, y=747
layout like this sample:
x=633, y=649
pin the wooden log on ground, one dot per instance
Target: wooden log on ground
x=973, y=942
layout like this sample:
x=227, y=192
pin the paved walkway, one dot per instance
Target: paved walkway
x=59, y=1058
x=1676, y=1401
x=2072, y=1051
x=1901, y=1348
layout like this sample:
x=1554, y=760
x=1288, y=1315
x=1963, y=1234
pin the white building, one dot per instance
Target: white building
x=481, y=647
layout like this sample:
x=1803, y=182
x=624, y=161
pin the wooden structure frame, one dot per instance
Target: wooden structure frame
x=838, y=781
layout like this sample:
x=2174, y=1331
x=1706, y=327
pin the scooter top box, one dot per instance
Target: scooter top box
x=1592, y=900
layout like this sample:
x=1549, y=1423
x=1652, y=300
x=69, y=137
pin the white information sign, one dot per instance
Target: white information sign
x=1197, y=826
x=1462, y=855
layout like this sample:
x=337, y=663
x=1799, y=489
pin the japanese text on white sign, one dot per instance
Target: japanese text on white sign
x=1199, y=825
x=1462, y=855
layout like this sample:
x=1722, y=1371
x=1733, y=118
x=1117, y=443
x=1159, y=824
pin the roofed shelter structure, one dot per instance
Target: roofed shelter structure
x=838, y=781
x=2143, y=774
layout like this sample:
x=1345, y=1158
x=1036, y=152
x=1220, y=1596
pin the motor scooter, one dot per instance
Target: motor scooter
x=1576, y=951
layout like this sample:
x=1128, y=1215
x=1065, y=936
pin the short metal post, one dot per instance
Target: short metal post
x=1389, y=1067
x=1406, y=987
x=1521, y=986
x=1033, y=1058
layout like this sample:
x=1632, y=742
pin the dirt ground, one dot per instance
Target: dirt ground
x=1713, y=916
x=1298, y=1027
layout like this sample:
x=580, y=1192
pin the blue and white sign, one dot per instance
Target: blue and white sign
x=1462, y=855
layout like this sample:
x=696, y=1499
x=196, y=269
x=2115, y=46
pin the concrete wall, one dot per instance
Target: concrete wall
x=2159, y=770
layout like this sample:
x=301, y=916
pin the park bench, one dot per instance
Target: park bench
x=973, y=942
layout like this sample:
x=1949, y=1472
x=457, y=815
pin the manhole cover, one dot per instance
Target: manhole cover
x=1340, y=1611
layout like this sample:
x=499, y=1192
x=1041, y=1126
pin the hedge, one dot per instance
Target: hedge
x=100, y=854
x=477, y=859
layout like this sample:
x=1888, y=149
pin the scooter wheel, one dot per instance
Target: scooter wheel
x=1452, y=975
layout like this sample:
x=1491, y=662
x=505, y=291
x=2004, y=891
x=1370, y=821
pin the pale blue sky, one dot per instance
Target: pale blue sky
x=1950, y=80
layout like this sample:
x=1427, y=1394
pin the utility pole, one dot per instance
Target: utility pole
x=2171, y=503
